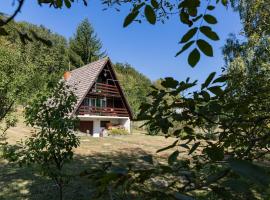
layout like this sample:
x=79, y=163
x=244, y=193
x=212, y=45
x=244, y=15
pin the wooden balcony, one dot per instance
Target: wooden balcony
x=105, y=111
x=105, y=90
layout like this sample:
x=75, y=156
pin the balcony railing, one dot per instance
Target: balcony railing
x=105, y=111
x=105, y=89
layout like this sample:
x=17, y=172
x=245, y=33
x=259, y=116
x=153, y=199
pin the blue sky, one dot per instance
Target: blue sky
x=150, y=49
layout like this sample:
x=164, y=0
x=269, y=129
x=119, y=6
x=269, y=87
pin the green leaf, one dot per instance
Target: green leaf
x=185, y=47
x=194, y=147
x=177, y=132
x=208, y=80
x=130, y=18
x=138, y=7
x=179, y=196
x=237, y=185
x=216, y=90
x=205, y=47
x=168, y=147
x=216, y=176
x=67, y=3
x=194, y=57
x=150, y=14
x=172, y=158
x=169, y=82
x=210, y=19
x=210, y=7
x=205, y=95
x=59, y=3
x=221, y=79
x=155, y=4
x=224, y=2
x=184, y=17
x=189, y=35
x=188, y=130
x=207, y=31
x=214, y=153
x=192, y=11
x=249, y=170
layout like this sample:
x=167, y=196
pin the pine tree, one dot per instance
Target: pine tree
x=85, y=46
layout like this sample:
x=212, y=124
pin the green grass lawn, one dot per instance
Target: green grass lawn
x=18, y=183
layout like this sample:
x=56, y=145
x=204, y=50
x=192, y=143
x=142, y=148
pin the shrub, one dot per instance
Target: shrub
x=118, y=131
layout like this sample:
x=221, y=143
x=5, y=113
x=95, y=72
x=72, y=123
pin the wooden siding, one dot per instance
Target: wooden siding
x=105, y=111
x=102, y=89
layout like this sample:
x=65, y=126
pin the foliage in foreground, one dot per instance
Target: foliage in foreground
x=52, y=144
x=225, y=168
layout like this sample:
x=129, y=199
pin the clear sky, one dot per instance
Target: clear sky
x=150, y=49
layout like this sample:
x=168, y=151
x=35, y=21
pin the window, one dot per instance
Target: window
x=98, y=103
x=85, y=102
x=93, y=102
x=89, y=102
x=103, y=103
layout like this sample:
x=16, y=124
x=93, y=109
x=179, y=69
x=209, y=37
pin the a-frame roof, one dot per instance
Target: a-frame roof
x=83, y=78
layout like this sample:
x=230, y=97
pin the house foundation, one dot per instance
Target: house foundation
x=98, y=124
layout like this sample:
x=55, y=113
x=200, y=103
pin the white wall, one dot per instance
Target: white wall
x=124, y=122
x=96, y=122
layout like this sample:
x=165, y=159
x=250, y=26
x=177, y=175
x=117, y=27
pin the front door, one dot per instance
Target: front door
x=86, y=127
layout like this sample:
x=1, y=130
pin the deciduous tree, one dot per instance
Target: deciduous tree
x=51, y=147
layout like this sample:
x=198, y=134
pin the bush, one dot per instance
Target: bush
x=118, y=131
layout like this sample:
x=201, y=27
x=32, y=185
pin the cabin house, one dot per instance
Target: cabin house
x=101, y=103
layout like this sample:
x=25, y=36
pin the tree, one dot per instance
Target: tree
x=255, y=16
x=196, y=14
x=233, y=108
x=220, y=167
x=43, y=62
x=12, y=82
x=248, y=62
x=51, y=147
x=189, y=13
x=85, y=47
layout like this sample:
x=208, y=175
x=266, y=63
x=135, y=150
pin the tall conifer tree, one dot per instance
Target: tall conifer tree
x=85, y=46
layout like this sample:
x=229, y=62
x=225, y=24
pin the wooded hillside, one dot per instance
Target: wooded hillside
x=42, y=56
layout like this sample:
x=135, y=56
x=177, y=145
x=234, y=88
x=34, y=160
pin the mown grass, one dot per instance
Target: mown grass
x=18, y=183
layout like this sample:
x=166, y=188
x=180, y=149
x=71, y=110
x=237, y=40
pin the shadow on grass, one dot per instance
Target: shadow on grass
x=17, y=183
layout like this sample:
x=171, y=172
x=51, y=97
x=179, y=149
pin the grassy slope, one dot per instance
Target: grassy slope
x=26, y=183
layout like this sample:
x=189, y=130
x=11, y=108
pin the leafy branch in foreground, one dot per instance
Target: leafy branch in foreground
x=190, y=12
x=218, y=151
x=193, y=13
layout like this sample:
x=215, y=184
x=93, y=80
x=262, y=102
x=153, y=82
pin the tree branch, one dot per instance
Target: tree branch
x=18, y=9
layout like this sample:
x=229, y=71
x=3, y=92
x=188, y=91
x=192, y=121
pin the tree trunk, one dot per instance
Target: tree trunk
x=60, y=192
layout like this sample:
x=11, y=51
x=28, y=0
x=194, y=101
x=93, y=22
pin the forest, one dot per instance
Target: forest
x=206, y=141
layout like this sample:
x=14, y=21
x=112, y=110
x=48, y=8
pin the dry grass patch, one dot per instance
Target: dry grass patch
x=18, y=183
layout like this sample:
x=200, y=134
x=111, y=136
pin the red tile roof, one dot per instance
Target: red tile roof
x=84, y=77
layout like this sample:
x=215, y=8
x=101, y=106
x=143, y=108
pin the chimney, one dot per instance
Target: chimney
x=67, y=75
